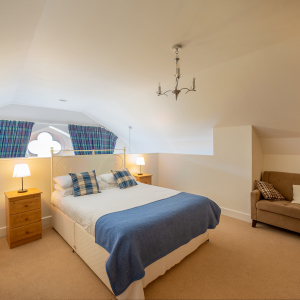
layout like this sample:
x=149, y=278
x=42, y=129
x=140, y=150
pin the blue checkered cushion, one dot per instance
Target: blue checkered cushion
x=124, y=178
x=84, y=183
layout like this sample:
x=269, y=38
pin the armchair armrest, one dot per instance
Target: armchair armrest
x=255, y=197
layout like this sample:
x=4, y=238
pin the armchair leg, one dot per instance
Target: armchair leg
x=254, y=223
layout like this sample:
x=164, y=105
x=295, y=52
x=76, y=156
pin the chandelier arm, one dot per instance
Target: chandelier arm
x=188, y=90
x=165, y=93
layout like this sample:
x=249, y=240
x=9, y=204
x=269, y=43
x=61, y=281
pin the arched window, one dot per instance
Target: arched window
x=41, y=146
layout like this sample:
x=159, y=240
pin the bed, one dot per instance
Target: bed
x=74, y=218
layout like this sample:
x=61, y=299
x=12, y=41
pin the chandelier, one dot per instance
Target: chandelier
x=177, y=77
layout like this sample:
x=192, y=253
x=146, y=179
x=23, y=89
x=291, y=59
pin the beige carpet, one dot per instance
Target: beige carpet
x=238, y=262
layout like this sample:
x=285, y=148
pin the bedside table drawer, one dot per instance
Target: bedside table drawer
x=25, y=218
x=27, y=204
x=146, y=180
x=143, y=178
x=24, y=232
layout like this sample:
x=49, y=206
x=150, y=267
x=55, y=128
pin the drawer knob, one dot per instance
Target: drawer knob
x=26, y=205
x=27, y=232
x=26, y=219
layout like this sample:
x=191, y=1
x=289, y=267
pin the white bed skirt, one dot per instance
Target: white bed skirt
x=95, y=256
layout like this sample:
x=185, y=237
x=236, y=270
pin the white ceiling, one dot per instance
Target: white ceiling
x=106, y=58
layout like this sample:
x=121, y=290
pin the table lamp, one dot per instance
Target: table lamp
x=140, y=162
x=21, y=170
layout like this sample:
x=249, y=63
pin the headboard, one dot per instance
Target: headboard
x=101, y=163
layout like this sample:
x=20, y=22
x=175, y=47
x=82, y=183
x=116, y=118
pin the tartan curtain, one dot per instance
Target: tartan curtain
x=14, y=138
x=92, y=138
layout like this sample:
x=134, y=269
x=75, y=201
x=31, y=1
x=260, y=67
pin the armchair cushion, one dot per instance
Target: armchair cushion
x=285, y=208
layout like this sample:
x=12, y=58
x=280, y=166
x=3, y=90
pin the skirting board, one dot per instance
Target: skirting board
x=46, y=221
x=236, y=214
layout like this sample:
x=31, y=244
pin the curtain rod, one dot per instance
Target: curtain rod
x=53, y=124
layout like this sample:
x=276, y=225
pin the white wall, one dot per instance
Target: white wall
x=281, y=163
x=120, y=144
x=281, y=154
x=257, y=158
x=225, y=177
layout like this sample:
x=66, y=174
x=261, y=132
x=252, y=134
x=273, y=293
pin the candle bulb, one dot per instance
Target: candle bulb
x=194, y=83
x=159, y=88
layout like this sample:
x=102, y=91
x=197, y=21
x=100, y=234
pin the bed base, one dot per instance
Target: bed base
x=95, y=256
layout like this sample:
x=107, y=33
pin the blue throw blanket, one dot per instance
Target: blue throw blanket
x=137, y=237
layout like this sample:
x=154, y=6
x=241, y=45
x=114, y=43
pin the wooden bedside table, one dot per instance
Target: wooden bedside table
x=23, y=217
x=145, y=178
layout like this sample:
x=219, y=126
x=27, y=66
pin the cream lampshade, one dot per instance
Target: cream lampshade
x=21, y=170
x=140, y=162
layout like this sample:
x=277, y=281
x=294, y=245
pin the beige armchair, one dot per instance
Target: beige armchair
x=281, y=213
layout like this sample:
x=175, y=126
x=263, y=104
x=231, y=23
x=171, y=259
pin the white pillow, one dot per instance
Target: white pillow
x=106, y=186
x=296, y=194
x=64, y=192
x=109, y=178
x=64, y=181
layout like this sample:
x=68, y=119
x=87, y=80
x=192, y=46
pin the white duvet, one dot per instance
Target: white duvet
x=86, y=210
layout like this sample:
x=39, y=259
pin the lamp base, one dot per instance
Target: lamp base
x=140, y=173
x=22, y=191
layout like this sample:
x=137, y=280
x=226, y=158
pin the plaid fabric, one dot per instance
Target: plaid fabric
x=268, y=191
x=85, y=183
x=92, y=138
x=124, y=178
x=14, y=138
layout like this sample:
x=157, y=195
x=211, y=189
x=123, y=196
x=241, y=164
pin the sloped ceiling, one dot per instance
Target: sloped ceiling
x=44, y=116
x=107, y=57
